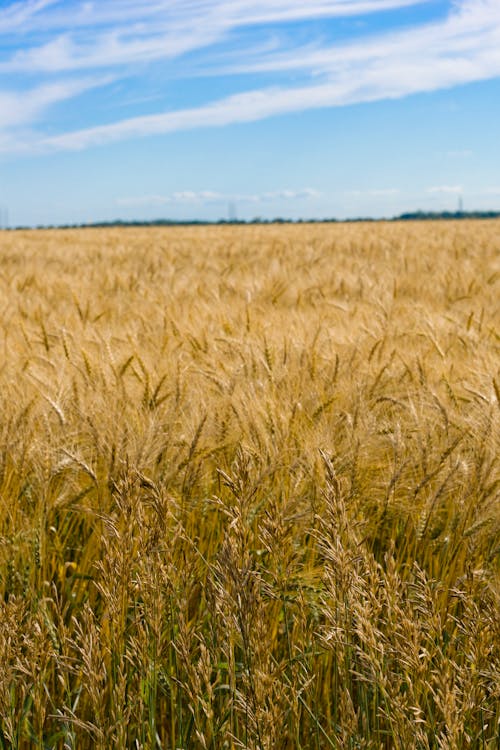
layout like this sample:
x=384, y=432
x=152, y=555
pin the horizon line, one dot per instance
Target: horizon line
x=417, y=215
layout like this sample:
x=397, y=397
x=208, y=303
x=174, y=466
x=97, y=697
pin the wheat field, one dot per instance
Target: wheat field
x=249, y=487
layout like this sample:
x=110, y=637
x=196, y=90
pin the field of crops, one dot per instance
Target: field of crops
x=249, y=487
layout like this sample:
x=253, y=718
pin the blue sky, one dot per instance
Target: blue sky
x=296, y=108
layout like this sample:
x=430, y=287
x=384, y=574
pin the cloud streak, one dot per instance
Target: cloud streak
x=373, y=193
x=207, y=197
x=102, y=14
x=114, y=36
x=446, y=189
x=18, y=15
x=25, y=107
x=117, y=32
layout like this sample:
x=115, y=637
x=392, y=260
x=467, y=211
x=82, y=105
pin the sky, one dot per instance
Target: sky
x=209, y=109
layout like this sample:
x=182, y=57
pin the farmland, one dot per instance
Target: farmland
x=249, y=487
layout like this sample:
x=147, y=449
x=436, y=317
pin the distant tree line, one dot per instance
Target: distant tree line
x=410, y=216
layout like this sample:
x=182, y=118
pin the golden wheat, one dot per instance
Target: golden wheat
x=249, y=487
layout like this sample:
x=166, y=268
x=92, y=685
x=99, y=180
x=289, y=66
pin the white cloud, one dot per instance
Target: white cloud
x=462, y=48
x=240, y=108
x=224, y=14
x=446, y=189
x=109, y=49
x=467, y=38
x=205, y=197
x=373, y=193
x=118, y=32
x=244, y=12
x=23, y=108
x=17, y=15
x=189, y=196
x=290, y=195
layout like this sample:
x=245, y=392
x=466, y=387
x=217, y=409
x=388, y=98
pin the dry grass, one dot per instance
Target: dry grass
x=249, y=487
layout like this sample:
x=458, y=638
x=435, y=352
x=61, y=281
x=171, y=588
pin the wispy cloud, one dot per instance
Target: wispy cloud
x=466, y=38
x=446, y=189
x=16, y=16
x=290, y=195
x=181, y=197
x=141, y=16
x=109, y=49
x=118, y=32
x=240, y=108
x=206, y=197
x=117, y=35
x=25, y=107
x=373, y=193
